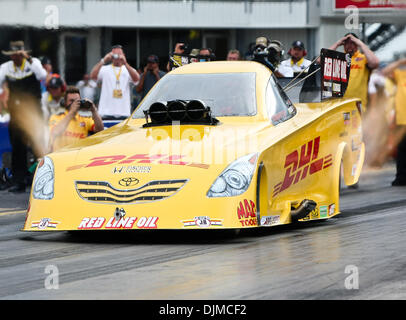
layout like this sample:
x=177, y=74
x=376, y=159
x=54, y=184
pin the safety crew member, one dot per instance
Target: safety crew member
x=361, y=66
x=397, y=72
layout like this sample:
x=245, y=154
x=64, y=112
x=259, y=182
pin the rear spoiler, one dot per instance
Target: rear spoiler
x=327, y=77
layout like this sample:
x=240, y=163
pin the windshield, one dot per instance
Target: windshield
x=227, y=94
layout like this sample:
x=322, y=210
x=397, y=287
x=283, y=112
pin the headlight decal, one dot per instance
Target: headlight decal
x=43, y=186
x=235, y=179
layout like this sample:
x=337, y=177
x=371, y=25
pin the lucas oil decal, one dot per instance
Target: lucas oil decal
x=302, y=163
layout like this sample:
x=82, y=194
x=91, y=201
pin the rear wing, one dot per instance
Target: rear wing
x=327, y=77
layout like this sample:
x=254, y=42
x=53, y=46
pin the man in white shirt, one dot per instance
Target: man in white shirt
x=116, y=77
x=297, y=62
x=23, y=74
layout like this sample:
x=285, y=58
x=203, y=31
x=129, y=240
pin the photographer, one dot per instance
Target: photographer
x=69, y=127
x=180, y=48
x=150, y=76
x=116, y=77
x=270, y=53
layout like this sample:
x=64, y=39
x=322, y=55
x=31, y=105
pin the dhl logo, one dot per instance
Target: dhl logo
x=302, y=163
x=138, y=158
x=356, y=66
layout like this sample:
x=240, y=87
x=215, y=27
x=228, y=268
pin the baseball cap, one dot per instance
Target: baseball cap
x=153, y=58
x=298, y=44
x=55, y=82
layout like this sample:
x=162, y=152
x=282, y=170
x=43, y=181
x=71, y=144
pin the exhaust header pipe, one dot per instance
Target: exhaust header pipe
x=305, y=207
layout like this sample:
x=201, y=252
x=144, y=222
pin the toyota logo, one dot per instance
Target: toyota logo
x=128, y=182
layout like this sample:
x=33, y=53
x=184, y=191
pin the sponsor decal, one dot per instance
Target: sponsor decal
x=346, y=116
x=121, y=223
x=44, y=223
x=312, y=215
x=270, y=220
x=335, y=69
x=246, y=213
x=356, y=67
x=202, y=222
x=370, y=5
x=131, y=169
x=301, y=164
x=354, y=169
x=354, y=146
x=323, y=211
x=128, y=182
x=137, y=158
x=331, y=209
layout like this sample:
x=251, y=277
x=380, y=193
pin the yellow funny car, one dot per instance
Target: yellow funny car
x=216, y=145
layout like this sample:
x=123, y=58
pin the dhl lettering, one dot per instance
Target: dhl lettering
x=299, y=167
x=74, y=134
x=102, y=161
x=138, y=158
x=142, y=158
x=356, y=66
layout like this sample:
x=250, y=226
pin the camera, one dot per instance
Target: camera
x=85, y=104
x=115, y=56
x=270, y=55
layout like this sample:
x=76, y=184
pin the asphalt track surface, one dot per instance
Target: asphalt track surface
x=360, y=254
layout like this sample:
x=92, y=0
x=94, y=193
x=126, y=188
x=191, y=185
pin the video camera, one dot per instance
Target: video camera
x=268, y=52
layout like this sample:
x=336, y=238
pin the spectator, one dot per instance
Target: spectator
x=69, y=127
x=52, y=98
x=180, y=48
x=206, y=54
x=116, y=77
x=233, y=55
x=46, y=63
x=87, y=87
x=397, y=72
x=361, y=66
x=270, y=54
x=297, y=62
x=23, y=74
x=150, y=76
